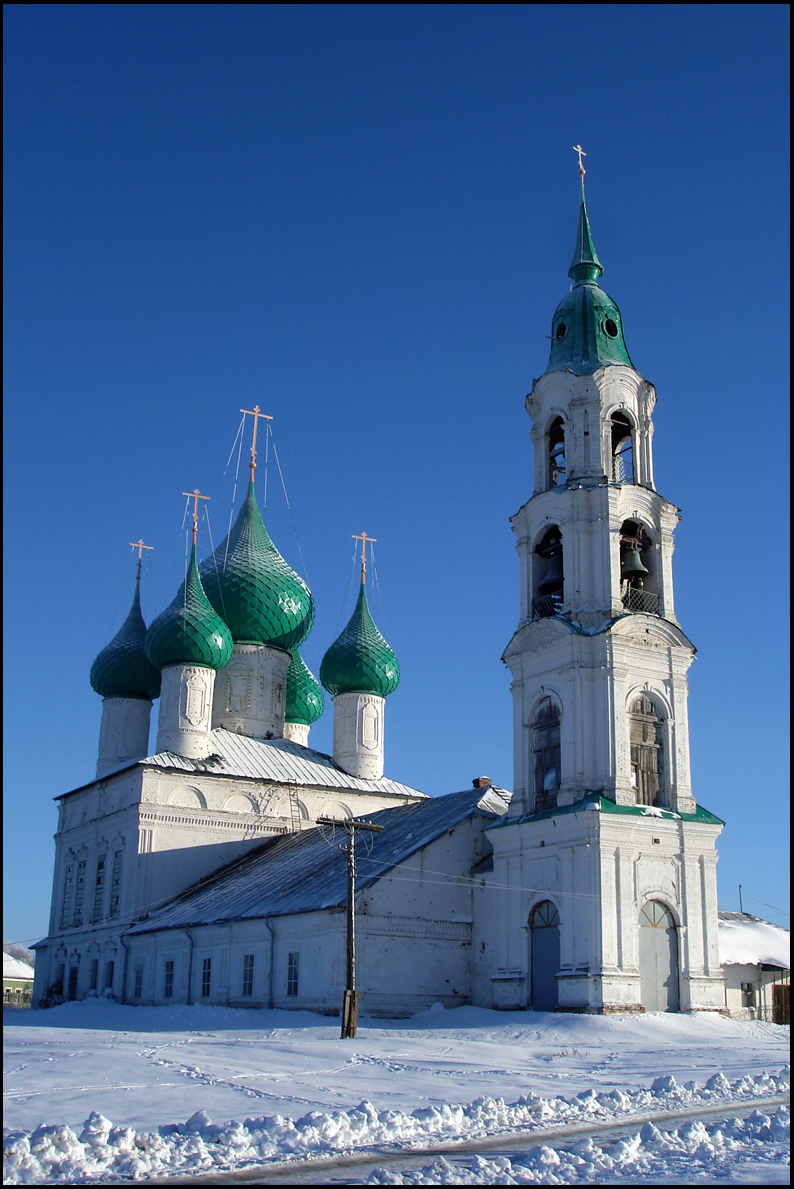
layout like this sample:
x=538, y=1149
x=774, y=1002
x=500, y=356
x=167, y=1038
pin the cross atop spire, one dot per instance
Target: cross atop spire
x=256, y=414
x=195, y=496
x=139, y=545
x=585, y=265
x=363, y=538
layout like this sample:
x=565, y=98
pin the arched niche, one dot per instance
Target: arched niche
x=187, y=797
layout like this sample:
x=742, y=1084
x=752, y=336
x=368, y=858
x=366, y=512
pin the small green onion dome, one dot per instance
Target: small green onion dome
x=305, y=701
x=189, y=632
x=248, y=582
x=121, y=670
x=360, y=661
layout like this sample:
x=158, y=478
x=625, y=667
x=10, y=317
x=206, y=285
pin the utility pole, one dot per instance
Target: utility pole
x=741, y=910
x=350, y=1003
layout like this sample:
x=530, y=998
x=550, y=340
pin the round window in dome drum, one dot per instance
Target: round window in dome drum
x=611, y=328
x=561, y=328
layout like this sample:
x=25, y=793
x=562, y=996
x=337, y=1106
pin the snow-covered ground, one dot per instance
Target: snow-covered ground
x=191, y=1088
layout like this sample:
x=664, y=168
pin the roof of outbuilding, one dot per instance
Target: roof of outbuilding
x=307, y=871
x=276, y=760
x=746, y=940
x=13, y=968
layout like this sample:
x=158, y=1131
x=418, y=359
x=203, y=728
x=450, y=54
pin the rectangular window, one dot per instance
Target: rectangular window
x=79, y=892
x=292, y=974
x=248, y=974
x=748, y=995
x=109, y=967
x=66, y=910
x=138, y=991
x=115, y=884
x=206, y=978
x=93, y=977
x=73, y=973
x=57, y=986
x=168, y=981
x=99, y=888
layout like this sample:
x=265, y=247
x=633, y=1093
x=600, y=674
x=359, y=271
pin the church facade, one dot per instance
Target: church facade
x=200, y=874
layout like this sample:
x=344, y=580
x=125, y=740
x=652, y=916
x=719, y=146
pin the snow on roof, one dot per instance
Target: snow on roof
x=277, y=760
x=302, y=872
x=748, y=941
x=13, y=968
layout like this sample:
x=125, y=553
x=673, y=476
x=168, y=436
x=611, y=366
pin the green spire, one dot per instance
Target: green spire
x=248, y=582
x=305, y=701
x=121, y=670
x=189, y=632
x=585, y=265
x=587, y=329
x=360, y=661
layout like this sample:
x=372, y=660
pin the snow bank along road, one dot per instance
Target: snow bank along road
x=75, y=1067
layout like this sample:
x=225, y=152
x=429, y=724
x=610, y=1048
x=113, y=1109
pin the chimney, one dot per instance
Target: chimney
x=482, y=782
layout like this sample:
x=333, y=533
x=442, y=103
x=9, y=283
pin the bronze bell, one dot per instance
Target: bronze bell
x=552, y=583
x=631, y=565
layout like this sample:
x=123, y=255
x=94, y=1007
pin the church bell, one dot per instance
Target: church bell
x=631, y=566
x=552, y=583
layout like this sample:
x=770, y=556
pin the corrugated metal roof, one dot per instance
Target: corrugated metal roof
x=308, y=871
x=277, y=760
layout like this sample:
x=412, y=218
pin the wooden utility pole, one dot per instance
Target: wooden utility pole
x=350, y=1003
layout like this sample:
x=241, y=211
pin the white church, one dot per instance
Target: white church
x=199, y=874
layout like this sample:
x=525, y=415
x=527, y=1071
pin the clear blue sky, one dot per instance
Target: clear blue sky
x=361, y=217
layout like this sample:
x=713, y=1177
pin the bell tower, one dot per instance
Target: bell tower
x=599, y=684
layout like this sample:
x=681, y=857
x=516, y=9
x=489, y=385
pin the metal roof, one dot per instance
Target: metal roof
x=307, y=871
x=279, y=761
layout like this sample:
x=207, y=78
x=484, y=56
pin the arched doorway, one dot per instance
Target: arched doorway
x=658, y=958
x=544, y=932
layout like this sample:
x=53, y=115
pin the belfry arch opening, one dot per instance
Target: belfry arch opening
x=622, y=444
x=646, y=746
x=555, y=454
x=546, y=754
x=548, y=579
x=639, y=583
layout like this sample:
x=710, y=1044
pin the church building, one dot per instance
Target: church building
x=209, y=870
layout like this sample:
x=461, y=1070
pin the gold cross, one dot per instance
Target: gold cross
x=363, y=538
x=195, y=496
x=577, y=148
x=256, y=414
x=139, y=545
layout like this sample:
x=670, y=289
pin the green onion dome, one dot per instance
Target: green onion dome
x=248, y=582
x=189, y=632
x=305, y=701
x=121, y=670
x=360, y=661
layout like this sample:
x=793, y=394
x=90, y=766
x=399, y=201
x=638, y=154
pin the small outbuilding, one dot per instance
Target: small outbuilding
x=756, y=959
x=17, y=982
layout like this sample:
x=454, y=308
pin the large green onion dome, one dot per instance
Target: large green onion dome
x=248, y=582
x=122, y=670
x=189, y=632
x=360, y=661
x=587, y=329
x=305, y=701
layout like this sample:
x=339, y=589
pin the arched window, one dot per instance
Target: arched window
x=556, y=454
x=546, y=754
x=549, y=581
x=646, y=739
x=622, y=449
